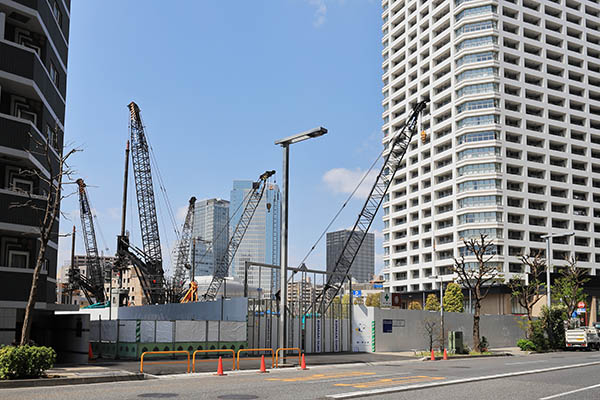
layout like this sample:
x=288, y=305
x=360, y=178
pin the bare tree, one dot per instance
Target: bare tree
x=429, y=328
x=528, y=294
x=478, y=279
x=58, y=173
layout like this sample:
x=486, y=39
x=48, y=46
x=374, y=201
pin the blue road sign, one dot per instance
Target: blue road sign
x=356, y=293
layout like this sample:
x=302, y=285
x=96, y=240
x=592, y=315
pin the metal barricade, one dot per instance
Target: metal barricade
x=284, y=357
x=255, y=358
x=165, y=362
x=212, y=351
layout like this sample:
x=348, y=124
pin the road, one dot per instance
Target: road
x=568, y=375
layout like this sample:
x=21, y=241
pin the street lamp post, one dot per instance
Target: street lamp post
x=548, y=237
x=443, y=344
x=285, y=144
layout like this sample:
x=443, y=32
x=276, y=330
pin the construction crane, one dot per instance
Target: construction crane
x=92, y=285
x=398, y=147
x=148, y=262
x=222, y=264
x=182, y=262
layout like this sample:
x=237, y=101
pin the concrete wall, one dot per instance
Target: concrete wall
x=407, y=332
x=71, y=338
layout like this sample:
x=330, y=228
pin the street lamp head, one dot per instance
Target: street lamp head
x=316, y=132
x=557, y=235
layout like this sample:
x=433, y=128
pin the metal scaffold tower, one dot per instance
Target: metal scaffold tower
x=182, y=263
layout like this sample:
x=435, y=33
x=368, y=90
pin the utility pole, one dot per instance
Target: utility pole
x=72, y=264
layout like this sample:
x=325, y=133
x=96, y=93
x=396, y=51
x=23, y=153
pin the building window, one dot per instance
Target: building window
x=481, y=184
x=477, y=137
x=16, y=182
x=473, y=169
x=475, y=27
x=56, y=12
x=53, y=74
x=479, y=152
x=477, y=105
x=18, y=259
x=469, y=12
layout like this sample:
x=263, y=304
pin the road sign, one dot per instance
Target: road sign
x=581, y=311
x=396, y=300
x=377, y=286
x=581, y=304
x=385, y=300
x=357, y=293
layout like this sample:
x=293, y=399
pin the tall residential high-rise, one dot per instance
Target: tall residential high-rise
x=211, y=234
x=512, y=145
x=34, y=44
x=363, y=267
x=262, y=240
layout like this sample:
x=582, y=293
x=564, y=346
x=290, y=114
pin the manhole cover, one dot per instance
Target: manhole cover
x=238, y=397
x=158, y=395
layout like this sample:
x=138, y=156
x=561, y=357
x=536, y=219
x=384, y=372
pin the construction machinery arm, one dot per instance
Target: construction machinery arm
x=183, y=252
x=140, y=157
x=398, y=147
x=222, y=264
x=93, y=285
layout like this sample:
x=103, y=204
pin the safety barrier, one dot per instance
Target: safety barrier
x=255, y=358
x=284, y=357
x=165, y=362
x=212, y=351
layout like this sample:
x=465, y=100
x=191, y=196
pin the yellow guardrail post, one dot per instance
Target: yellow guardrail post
x=255, y=358
x=212, y=351
x=283, y=358
x=165, y=362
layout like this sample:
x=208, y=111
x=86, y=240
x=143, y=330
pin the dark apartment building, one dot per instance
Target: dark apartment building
x=34, y=43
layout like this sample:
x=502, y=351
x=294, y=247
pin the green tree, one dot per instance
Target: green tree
x=453, y=298
x=414, y=305
x=568, y=289
x=373, y=300
x=432, y=303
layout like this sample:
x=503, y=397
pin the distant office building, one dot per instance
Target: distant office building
x=262, y=240
x=211, y=234
x=363, y=267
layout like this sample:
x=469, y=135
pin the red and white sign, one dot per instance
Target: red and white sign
x=581, y=304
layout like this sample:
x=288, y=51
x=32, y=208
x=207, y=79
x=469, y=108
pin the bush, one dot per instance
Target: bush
x=526, y=345
x=538, y=335
x=414, y=305
x=19, y=362
x=553, y=324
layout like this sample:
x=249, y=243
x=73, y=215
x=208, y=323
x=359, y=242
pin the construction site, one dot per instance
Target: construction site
x=305, y=310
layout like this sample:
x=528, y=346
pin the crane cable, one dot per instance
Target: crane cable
x=341, y=209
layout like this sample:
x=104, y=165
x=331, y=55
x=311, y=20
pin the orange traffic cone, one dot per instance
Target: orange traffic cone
x=303, y=363
x=90, y=354
x=445, y=355
x=432, y=355
x=263, y=369
x=220, y=368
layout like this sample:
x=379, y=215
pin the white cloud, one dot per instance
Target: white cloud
x=180, y=214
x=320, y=12
x=342, y=180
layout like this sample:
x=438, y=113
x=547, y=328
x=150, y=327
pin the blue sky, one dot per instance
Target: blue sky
x=217, y=83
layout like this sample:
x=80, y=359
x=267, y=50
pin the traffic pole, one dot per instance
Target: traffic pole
x=445, y=354
x=220, y=368
x=263, y=368
x=432, y=355
x=303, y=363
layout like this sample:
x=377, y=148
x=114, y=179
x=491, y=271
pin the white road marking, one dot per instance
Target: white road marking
x=374, y=392
x=571, y=392
x=526, y=362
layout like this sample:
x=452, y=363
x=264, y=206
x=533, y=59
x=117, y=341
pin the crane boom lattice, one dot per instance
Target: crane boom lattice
x=392, y=160
x=93, y=284
x=182, y=262
x=222, y=264
x=153, y=274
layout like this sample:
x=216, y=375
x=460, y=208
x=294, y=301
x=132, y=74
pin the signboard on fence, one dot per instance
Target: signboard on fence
x=385, y=300
x=318, y=335
x=336, y=335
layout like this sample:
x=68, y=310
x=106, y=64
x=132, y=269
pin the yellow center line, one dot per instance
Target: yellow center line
x=322, y=376
x=391, y=381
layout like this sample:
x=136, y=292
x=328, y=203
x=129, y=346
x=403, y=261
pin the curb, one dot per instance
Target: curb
x=465, y=356
x=29, y=383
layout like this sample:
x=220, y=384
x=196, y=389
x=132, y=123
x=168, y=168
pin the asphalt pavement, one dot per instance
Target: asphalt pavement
x=566, y=375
